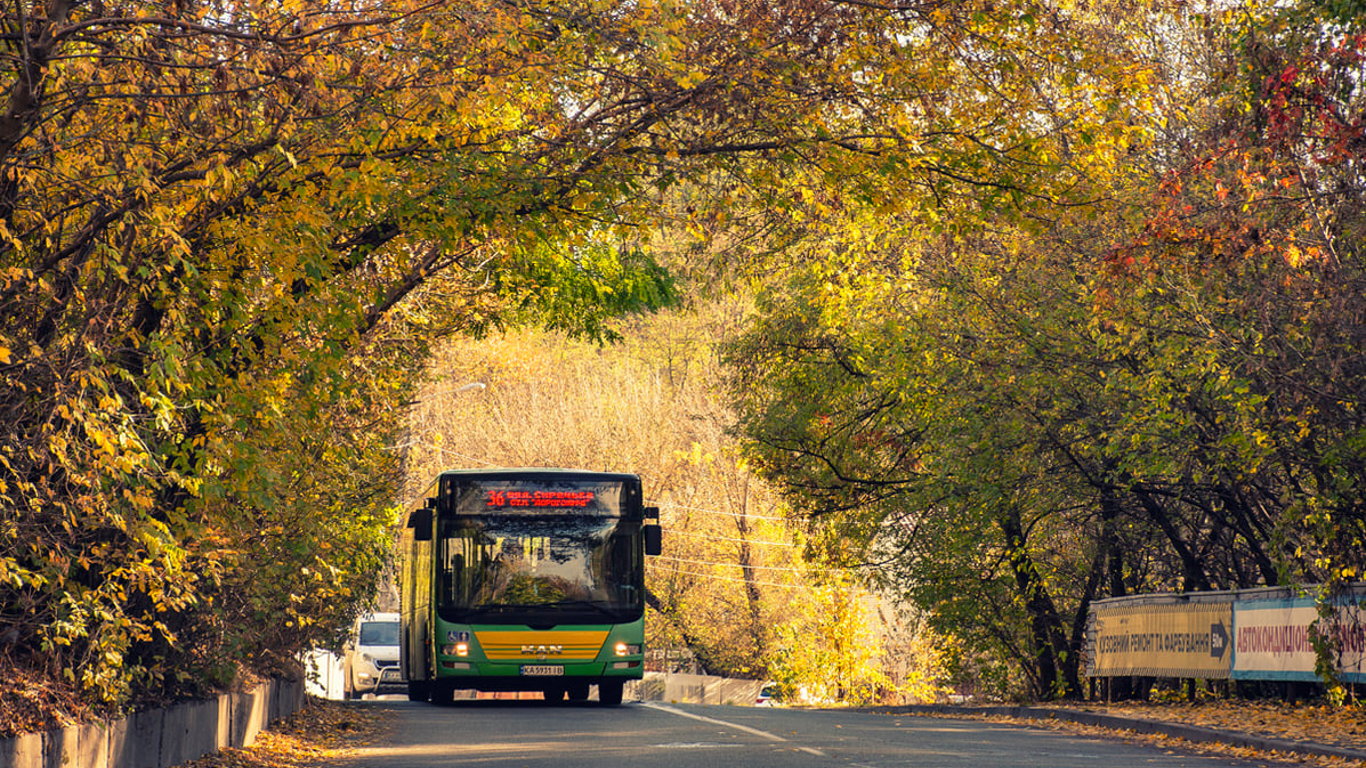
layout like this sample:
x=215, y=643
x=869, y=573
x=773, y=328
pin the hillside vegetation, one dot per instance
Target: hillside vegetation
x=739, y=591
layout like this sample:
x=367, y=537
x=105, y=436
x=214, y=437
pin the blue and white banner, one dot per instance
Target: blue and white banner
x=1273, y=641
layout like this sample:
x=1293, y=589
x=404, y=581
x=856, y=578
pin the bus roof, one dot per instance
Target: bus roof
x=541, y=471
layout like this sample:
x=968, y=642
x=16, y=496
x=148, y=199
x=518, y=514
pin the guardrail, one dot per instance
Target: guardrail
x=1249, y=634
x=158, y=738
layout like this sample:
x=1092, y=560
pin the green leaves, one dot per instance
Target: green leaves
x=578, y=291
x=1032, y=402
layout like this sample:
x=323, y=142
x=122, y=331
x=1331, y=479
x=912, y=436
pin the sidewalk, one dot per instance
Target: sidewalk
x=1275, y=731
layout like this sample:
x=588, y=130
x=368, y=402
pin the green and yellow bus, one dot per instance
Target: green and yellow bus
x=526, y=580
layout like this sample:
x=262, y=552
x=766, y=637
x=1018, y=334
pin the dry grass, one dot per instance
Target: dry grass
x=317, y=735
x=31, y=701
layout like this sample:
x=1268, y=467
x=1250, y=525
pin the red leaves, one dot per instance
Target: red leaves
x=1308, y=101
x=1262, y=188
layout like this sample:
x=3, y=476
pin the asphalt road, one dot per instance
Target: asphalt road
x=634, y=735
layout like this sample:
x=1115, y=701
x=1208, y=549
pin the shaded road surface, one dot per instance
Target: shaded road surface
x=529, y=733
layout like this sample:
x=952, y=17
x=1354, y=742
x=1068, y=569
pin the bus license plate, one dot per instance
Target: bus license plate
x=544, y=669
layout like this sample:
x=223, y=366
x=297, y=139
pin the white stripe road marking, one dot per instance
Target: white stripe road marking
x=736, y=726
x=713, y=721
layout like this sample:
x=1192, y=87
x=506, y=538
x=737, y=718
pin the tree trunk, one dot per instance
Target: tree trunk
x=1046, y=626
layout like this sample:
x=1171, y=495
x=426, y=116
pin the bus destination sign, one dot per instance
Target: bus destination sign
x=556, y=499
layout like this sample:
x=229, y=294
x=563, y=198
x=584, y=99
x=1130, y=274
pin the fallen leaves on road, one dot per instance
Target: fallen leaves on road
x=1319, y=723
x=322, y=731
x=1336, y=726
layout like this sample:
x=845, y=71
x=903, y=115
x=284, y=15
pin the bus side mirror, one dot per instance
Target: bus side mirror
x=654, y=539
x=420, y=520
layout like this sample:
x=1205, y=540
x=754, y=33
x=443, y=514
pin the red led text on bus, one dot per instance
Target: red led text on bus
x=540, y=498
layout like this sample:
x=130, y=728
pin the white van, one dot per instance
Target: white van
x=370, y=658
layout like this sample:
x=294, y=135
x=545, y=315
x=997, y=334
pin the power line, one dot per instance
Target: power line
x=681, y=532
x=665, y=505
x=662, y=505
x=449, y=452
x=759, y=567
x=677, y=572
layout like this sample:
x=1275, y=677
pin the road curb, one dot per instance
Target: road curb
x=1194, y=733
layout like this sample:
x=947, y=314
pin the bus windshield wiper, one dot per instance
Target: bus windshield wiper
x=498, y=607
x=599, y=607
x=522, y=607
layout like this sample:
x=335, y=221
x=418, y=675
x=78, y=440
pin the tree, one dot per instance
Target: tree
x=1036, y=408
x=230, y=233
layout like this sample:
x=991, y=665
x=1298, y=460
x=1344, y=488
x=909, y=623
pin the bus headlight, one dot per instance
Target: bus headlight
x=623, y=649
x=456, y=649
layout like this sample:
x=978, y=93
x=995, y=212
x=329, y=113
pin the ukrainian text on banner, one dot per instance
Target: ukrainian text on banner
x=1273, y=641
x=1185, y=640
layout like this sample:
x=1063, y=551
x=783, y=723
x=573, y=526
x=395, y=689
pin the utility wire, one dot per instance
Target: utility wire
x=447, y=451
x=664, y=505
x=759, y=567
x=680, y=532
x=676, y=572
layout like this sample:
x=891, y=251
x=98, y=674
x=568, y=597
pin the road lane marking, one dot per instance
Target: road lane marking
x=727, y=724
x=713, y=721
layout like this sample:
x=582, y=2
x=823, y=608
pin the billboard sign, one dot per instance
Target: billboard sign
x=1273, y=640
x=1180, y=640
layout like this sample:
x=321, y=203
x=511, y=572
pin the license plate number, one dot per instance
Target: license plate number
x=542, y=669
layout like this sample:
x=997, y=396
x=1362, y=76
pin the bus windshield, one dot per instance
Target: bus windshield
x=539, y=556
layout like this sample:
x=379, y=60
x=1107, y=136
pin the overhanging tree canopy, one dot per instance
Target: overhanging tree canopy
x=228, y=231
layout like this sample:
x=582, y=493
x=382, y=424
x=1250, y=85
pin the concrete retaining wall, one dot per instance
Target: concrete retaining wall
x=158, y=738
x=697, y=689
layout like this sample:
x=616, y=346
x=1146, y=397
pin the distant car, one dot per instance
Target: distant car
x=370, y=660
x=765, y=696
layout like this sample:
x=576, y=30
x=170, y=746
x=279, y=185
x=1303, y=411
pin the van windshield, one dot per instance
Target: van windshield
x=378, y=633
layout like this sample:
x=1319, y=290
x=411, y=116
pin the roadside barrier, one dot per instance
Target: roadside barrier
x=683, y=688
x=158, y=738
x=1249, y=634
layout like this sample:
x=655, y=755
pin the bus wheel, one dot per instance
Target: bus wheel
x=417, y=690
x=442, y=693
x=554, y=695
x=609, y=693
x=578, y=692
